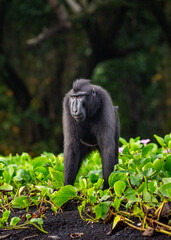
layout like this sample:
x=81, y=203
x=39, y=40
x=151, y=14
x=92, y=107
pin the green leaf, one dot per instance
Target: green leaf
x=22, y=175
x=5, y=216
x=115, y=176
x=131, y=195
x=3, y=160
x=132, y=167
x=101, y=209
x=20, y=202
x=39, y=161
x=150, y=148
x=83, y=183
x=135, y=146
x=10, y=170
x=63, y=195
x=167, y=139
x=28, y=215
x=148, y=172
x=45, y=190
x=6, y=187
x=57, y=178
x=123, y=141
x=146, y=196
x=25, y=157
x=134, y=181
x=152, y=186
x=137, y=211
x=168, y=163
x=96, y=158
x=147, y=166
x=55, y=174
x=41, y=170
x=126, y=150
x=99, y=183
x=14, y=221
x=141, y=188
x=169, y=144
x=166, y=180
x=116, y=204
x=165, y=189
x=105, y=197
x=117, y=220
x=93, y=178
x=169, y=192
x=7, y=177
x=119, y=188
x=142, y=162
x=37, y=220
x=51, y=157
x=1, y=166
x=160, y=140
x=91, y=194
x=158, y=164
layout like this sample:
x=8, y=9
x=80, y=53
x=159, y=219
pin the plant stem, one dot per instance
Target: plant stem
x=163, y=231
x=133, y=226
x=126, y=213
x=91, y=218
x=160, y=209
x=159, y=223
x=144, y=221
x=23, y=226
x=39, y=228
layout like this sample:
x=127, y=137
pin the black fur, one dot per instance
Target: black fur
x=99, y=127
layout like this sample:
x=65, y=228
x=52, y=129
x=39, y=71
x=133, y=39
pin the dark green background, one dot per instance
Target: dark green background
x=122, y=45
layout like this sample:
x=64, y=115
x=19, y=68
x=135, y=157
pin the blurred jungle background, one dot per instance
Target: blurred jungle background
x=121, y=45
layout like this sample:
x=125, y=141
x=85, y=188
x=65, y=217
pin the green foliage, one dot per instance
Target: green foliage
x=63, y=195
x=101, y=209
x=139, y=186
x=20, y=202
x=14, y=221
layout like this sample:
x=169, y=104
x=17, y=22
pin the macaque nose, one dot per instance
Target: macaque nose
x=75, y=108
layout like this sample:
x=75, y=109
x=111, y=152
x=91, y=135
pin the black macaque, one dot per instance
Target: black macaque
x=90, y=121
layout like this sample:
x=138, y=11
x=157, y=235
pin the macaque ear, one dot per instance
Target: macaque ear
x=93, y=92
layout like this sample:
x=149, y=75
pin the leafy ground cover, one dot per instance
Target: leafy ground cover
x=32, y=195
